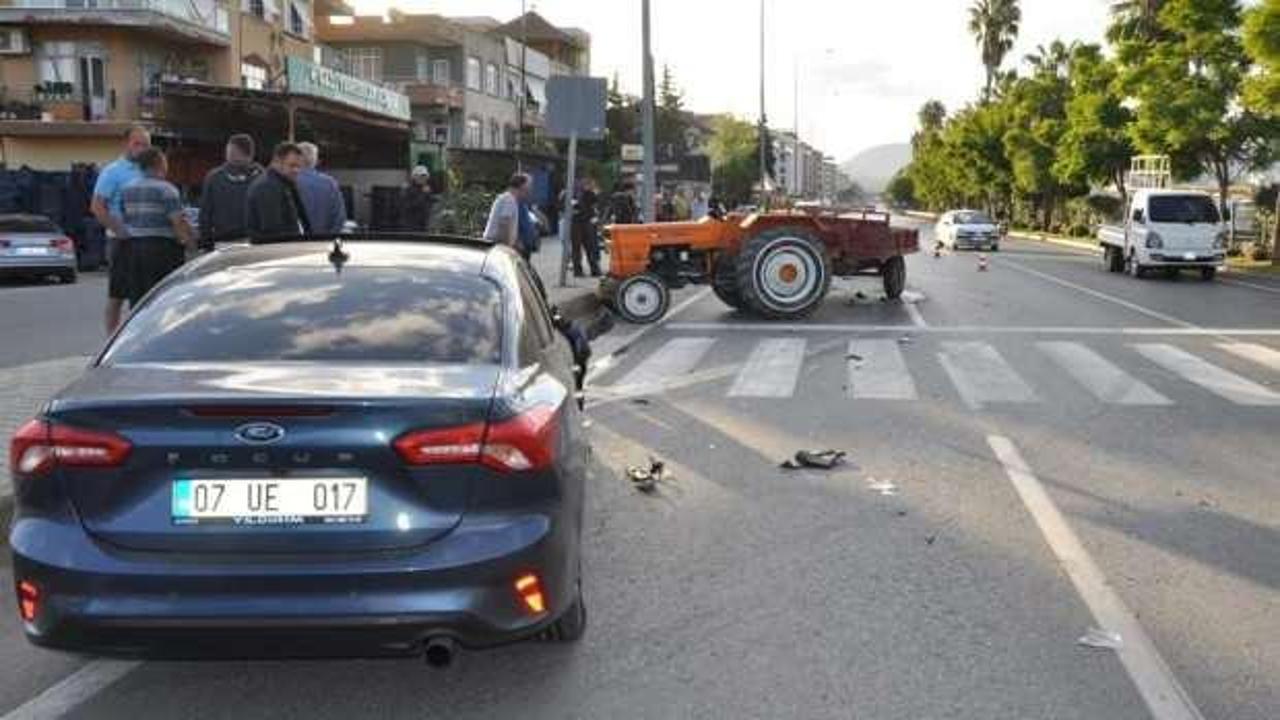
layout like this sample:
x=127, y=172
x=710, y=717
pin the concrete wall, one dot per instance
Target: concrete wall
x=57, y=153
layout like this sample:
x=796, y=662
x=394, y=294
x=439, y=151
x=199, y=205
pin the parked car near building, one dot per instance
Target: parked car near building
x=34, y=246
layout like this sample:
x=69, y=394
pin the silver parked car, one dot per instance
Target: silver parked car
x=969, y=230
x=34, y=246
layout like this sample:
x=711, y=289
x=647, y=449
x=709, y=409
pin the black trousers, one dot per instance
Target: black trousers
x=585, y=239
x=149, y=261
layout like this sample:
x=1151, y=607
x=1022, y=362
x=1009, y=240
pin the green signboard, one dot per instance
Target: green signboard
x=307, y=78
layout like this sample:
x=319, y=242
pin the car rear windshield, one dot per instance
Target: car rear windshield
x=364, y=314
x=974, y=218
x=1183, y=209
x=27, y=225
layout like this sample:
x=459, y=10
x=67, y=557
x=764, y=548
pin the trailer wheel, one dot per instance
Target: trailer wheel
x=724, y=282
x=783, y=274
x=642, y=299
x=894, y=271
x=1112, y=259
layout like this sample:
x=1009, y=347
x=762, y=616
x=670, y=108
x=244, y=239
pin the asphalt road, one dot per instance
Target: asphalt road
x=1034, y=451
x=42, y=321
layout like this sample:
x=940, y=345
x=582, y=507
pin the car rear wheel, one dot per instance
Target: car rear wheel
x=642, y=299
x=1136, y=268
x=724, y=282
x=783, y=274
x=895, y=277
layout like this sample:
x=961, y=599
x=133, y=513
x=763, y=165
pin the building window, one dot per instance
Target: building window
x=440, y=72
x=258, y=8
x=364, y=63
x=422, y=66
x=475, y=133
x=495, y=135
x=253, y=77
x=300, y=18
x=473, y=73
x=57, y=63
x=441, y=133
x=491, y=79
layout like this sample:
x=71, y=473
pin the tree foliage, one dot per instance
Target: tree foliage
x=994, y=25
x=735, y=160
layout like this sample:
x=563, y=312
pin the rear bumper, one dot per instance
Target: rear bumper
x=21, y=265
x=99, y=599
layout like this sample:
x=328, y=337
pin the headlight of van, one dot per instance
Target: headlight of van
x=1154, y=241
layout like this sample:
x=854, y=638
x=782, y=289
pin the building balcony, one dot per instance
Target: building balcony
x=425, y=94
x=204, y=21
x=533, y=117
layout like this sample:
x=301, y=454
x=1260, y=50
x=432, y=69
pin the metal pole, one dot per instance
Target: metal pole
x=566, y=216
x=524, y=83
x=764, y=164
x=650, y=171
x=795, y=154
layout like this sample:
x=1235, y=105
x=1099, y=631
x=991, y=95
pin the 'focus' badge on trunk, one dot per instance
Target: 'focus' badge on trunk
x=260, y=433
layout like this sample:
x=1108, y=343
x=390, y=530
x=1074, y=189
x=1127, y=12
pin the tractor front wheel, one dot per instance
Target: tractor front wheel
x=724, y=282
x=895, y=277
x=783, y=274
x=642, y=299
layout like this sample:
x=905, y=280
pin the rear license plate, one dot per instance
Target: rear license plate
x=270, y=501
x=1188, y=256
x=31, y=251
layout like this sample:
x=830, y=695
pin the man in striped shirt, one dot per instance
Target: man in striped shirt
x=153, y=224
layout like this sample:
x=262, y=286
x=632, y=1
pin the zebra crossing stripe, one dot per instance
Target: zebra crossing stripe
x=771, y=371
x=1261, y=354
x=1107, y=382
x=982, y=376
x=877, y=371
x=1221, y=382
x=673, y=360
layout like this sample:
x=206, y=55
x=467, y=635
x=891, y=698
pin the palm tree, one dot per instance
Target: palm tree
x=1135, y=19
x=994, y=24
x=932, y=115
x=1054, y=59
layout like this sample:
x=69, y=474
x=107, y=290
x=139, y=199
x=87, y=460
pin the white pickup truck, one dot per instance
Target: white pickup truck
x=1166, y=230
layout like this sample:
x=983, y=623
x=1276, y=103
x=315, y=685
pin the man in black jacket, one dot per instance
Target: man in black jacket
x=274, y=208
x=222, y=198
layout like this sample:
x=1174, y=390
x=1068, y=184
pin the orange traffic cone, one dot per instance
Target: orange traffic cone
x=937, y=250
x=982, y=263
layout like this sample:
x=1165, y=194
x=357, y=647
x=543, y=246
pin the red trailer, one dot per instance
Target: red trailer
x=777, y=265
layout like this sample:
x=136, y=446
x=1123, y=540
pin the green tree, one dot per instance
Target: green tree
x=1134, y=20
x=994, y=25
x=901, y=190
x=670, y=123
x=1038, y=122
x=932, y=116
x=1187, y=88
x=1262, y=41
x=1096, y=147
x=734, y=158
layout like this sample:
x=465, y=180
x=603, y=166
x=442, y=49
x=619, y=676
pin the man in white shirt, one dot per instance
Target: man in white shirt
x=503, y=227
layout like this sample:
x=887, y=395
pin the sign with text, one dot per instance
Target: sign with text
x=307, y=78
x=575, y=106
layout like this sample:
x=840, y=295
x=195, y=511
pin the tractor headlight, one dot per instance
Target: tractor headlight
x=1154, y=241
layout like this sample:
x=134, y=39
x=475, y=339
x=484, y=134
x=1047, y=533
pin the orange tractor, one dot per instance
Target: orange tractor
x=776, y=265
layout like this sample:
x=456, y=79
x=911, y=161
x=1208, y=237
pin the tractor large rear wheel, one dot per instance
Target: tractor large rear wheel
x=783, y=274
x=724, y=282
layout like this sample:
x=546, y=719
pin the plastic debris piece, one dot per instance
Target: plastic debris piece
x=641, y=401
x=587, y=423
x=646, y=480
x=860, y=295
x=815, y=459
x=854, y=357
x=883, y=487
x=930, y=540
x=906, y=340
x=1104, y=639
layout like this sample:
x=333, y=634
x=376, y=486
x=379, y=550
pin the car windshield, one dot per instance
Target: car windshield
x=973, y=218
x=1183, y=209
x=27, y=225
x=372, y=315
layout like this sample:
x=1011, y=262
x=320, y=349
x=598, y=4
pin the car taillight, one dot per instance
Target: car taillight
x=40, y=446
x=28, y=600
x=524, y=442
x=529, y=589
x=63, y=244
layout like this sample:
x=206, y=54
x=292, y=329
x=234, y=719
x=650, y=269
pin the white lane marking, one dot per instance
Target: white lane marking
x=1255, y=286
x=1164, y=695
x=608, y=360
x=1260, y=354
x=971, y=329
x=881, y=373
x=771, y=371
x=1223, y=383
x=73, y=690
x=982, y=376
x=916, y=318
x=1107, y=382
x=672, y=361
x=1098, y=294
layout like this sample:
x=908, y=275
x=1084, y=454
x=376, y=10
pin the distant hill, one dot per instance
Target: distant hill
x=873, y=168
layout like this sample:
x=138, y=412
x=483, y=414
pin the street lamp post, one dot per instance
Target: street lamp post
x=650, y=171
x=764, y=123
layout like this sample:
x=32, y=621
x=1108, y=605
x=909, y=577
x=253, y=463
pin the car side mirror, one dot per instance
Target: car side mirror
x=1139, y=216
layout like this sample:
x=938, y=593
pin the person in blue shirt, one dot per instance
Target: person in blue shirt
x=107, y=208
x=320, y=195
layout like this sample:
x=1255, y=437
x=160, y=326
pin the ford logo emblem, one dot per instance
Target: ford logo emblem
x=261, y=433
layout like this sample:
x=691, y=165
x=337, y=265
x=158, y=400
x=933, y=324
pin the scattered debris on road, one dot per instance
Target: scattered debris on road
x=646, y=480
x=854, y=356
x=641, y=401
x=1103, y=639
x=884, y=487
x=815, y=459
x=982, y=263
x=860, y=295
x=906, y=340
x=930, y=539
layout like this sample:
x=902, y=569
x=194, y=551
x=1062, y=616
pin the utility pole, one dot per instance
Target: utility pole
x=650, y=144
x=524, y=82
x=795, y=155
x=764, y=123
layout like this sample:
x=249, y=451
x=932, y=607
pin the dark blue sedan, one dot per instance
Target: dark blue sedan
x=305, y=448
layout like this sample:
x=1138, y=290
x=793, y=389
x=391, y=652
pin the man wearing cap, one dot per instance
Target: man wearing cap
x=417, y=201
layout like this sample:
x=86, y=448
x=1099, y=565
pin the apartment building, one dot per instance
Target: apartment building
x=74, y=74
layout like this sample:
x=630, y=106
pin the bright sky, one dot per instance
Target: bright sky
x=865, y=67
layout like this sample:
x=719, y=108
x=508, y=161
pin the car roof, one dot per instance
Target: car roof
x=466, y=258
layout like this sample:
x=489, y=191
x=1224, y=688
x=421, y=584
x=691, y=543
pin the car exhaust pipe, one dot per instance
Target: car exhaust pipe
x=440, y=651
